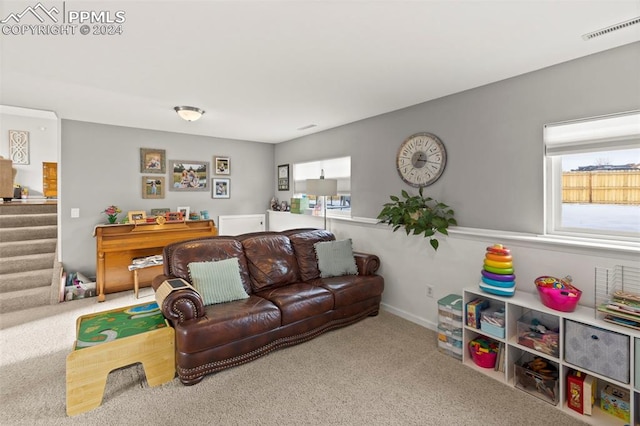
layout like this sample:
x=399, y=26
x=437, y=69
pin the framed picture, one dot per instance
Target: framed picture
x=188, y=175
x=283, y=177
x=220, y=188
x=137, y=216
x=222, y=165
x=173, y=216
x=185, y=212
x=152, y=160
x=152, y=186
x=160, y=212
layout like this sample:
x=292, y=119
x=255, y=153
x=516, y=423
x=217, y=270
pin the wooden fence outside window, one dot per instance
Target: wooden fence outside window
x=601, y=187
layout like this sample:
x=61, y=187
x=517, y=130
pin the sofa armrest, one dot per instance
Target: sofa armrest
x=180, y=305
x=367, y=264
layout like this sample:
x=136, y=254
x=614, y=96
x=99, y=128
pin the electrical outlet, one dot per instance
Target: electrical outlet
x=429, y=291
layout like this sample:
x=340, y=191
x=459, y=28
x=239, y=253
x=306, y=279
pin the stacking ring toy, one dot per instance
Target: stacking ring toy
x=499, y=257
x=498, y=249
x=498, y=277
x=495, y=283
x=502, y=271
x=502, y=265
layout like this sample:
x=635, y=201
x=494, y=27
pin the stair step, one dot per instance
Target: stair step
x=30, y=262
x=28, y=242
x=32, y=233
x=20, y=207
x=21, y=248
x=26, y=280
x=25, y=299
x=21, y=220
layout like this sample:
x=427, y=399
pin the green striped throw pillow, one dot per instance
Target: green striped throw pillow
x=217, y=282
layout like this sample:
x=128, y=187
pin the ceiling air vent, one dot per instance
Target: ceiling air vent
x=611, y=29
x=308, y=126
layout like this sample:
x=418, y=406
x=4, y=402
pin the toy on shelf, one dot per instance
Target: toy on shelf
x=581, y=392
x=558, y=294
x=483, y=352
x=497, y=271
x=535, y=335
x=539, y=377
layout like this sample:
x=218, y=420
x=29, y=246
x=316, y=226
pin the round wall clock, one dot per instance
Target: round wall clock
x=421, y=159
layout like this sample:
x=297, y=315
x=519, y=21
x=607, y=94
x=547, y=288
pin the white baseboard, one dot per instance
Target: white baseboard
x=410, y=317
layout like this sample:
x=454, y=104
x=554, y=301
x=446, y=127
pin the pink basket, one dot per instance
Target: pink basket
x=557, y=293
x=483, y=359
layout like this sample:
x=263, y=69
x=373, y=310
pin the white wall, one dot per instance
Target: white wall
x=43, y=145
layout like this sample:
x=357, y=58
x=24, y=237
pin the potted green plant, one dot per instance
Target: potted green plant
x=418, y=215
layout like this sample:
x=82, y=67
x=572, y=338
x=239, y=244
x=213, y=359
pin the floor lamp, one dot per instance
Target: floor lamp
x=323, y=187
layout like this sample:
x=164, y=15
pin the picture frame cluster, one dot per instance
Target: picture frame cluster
x=183, y=175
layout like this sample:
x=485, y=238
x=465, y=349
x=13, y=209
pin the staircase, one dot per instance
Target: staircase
x=28, y=261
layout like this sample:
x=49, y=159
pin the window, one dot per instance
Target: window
x=335, y=168
x=592, y=177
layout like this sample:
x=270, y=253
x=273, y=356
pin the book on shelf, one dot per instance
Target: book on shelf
x=500, y=358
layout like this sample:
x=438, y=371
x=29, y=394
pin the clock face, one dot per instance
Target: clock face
x=421, y=159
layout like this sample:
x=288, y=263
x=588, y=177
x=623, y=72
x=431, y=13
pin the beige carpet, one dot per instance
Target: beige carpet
x=381, y=371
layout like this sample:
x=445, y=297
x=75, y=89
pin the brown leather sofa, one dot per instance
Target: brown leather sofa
x=288, y=302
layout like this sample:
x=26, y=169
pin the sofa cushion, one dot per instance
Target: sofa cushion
x=217, y=282
x=335, y=258
x=206, y=250
x=299, y=301
x=303, y=242
x=271, y=260
x=226, y=323
x=351, y=289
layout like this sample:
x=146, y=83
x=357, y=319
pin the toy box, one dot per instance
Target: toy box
x=474, y=311
x=581, y=392
x=615, y=401
x=450, y=312
x=450, y=342
x=539, y=331
x=492, y=322
x=538, y=377
x=587, y=339
x=484, y=352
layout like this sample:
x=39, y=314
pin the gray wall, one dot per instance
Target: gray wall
x=493, y=137
x=100, y=166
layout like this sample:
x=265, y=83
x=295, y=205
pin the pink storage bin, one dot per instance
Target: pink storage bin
x=558, y=294
x=482, y=359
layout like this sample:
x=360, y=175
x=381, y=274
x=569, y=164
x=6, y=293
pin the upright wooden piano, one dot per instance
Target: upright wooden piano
x=118, y=245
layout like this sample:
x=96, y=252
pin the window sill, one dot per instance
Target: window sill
x=621, y=247
x=543, y=241
x=581, y=243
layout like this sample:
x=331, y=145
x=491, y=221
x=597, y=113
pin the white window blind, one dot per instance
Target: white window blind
x=335, y=168
x=611, y=132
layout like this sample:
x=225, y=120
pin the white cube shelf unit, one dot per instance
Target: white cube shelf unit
x=526, y=305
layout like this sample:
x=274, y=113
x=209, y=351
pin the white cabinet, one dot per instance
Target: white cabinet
x=525, y=309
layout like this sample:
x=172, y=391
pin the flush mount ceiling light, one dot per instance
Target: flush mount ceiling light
x=189, y=113
x=611, y=29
